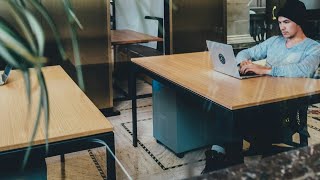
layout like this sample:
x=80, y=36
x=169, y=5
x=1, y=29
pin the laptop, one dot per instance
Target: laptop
x=5, y=75
x=224, y=61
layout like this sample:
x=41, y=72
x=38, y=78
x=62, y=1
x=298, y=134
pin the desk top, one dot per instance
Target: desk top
x=194, y=71
x=72, y=114
x=126, y=36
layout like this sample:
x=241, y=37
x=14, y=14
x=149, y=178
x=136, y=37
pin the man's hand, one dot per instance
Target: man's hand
x=255, y=68
x=245, y=62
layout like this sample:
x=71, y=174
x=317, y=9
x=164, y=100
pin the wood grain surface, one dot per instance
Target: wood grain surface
x=194, y=71
x=126, y=36
x=72, y=114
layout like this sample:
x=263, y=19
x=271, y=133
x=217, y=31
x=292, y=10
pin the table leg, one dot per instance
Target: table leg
x=133, y=93
x=111, y=166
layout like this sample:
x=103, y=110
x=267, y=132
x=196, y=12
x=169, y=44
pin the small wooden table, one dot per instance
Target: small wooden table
x=74, y=121
x=125, y=37
x=192, y=73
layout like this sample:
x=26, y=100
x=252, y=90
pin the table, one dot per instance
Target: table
x=74, y=121
x=193, y=73
x=127, y=37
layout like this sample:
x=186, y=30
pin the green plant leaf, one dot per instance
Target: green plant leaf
x=4, y=53
x=34, y=132
x=45, y=104
x=99, y=141
x=76, y=53
x=16, y=11
x=37, y=31
x=71, y=15
x=43, y=11
x=16, y=46
x=75, y=44
x=21, y=3
x=26, y=77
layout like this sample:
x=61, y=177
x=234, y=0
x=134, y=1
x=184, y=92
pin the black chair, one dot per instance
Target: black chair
x=288, y=119
x=137, y=50
x=258, y=28
x=133, y=51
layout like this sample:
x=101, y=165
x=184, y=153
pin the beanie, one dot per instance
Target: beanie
x=294, y=10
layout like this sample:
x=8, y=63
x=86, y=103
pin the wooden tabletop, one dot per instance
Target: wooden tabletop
x=72, y=114
x=194, y=71
x=126, y=36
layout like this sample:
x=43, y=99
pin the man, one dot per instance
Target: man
x=289, y=55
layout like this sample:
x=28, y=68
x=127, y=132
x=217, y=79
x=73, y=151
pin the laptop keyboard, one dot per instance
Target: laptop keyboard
x=248, y=74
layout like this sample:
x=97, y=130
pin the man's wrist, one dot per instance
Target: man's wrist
x=268, y=71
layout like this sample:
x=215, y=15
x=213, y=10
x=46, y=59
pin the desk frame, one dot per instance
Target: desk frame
x=230, y=115
x=12, y=160
x=130, y=41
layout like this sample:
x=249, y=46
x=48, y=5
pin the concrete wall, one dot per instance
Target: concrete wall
x=237, y=17
x=257, y=3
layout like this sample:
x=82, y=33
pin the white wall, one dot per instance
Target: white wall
x=311, y=4
x=130, y=15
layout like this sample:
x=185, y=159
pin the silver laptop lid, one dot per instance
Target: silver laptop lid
x=223, y=58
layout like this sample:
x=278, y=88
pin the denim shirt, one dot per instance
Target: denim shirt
x=301, y=60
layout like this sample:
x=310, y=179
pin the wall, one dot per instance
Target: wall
x=237, y=17
x=130, y=15
x=312, y=4
x=238, y=23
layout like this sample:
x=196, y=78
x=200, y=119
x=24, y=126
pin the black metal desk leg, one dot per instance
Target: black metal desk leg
x=133, y=93
x=111, y=166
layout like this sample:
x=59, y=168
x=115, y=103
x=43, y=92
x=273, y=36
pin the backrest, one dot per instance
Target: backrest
x=160, y=30
x=258, y=27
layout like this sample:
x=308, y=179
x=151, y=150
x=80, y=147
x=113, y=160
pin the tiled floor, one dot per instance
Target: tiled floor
x=149, y=160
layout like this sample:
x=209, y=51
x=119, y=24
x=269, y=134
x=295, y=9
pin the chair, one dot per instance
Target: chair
x=138, y=50
x=258, y=27
x=290, y=118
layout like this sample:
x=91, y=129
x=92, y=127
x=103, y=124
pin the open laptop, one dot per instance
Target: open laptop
x=5, y=75
x=224, y=61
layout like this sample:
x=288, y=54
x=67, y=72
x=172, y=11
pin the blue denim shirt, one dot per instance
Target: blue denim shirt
x=301, y=60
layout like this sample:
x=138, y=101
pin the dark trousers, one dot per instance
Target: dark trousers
x=260, y=126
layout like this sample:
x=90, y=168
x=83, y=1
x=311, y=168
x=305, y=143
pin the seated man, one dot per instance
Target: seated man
x=289, y=55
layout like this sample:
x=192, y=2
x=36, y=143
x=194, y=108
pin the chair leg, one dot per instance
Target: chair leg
x=303, y=116
x=303, y=140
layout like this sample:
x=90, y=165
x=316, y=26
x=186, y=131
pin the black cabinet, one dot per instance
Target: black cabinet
x=189, y=23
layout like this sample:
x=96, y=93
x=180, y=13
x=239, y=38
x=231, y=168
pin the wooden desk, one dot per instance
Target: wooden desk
x=74, y=120
x=193, y=73
x=125, y=37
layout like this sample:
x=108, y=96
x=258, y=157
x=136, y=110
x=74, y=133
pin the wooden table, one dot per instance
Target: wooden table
x=125, y=37
x=193, y=73
x=74, y=121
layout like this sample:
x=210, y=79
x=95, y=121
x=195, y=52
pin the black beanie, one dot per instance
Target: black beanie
x=294, y=10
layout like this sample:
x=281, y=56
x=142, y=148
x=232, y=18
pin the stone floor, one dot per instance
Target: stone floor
x=149, y=160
